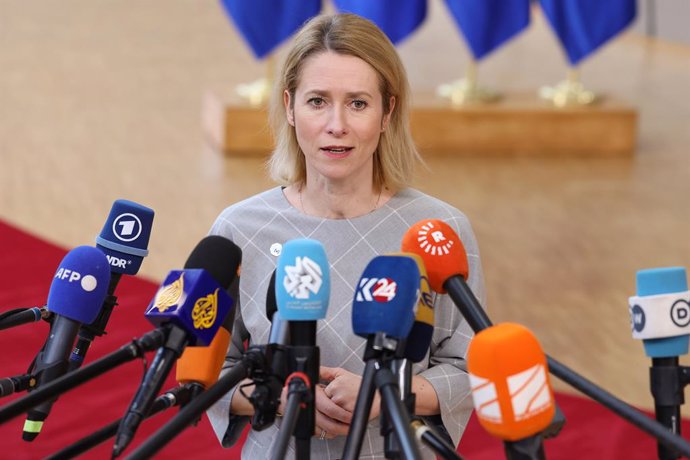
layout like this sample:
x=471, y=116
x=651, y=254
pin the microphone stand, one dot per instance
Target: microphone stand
x=88, y=332
x=178, y=396
x=530, y=448
x=16, y=384
x=431, y=438
x=379, y=352
x=299, y=392
x=20, y=316
x=422, y=432
x=132, y=350
x=394, y=409
x=253, y=359
x=476, y=317
x=667, y=382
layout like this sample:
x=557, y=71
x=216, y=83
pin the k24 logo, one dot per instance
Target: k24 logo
x=376, y=289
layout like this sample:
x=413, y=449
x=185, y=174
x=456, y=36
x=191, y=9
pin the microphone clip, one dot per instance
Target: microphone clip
x=268, y=386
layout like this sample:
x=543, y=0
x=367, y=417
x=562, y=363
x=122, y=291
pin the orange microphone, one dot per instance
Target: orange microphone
x=510, y=388
x=446, y=264
x=202, y=365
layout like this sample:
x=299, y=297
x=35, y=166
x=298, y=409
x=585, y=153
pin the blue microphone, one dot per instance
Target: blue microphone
x=386, y=297
x=303, y=282
x=383, y=312
x=302, y=294
x=75, y=298
x=125, y=236
x=660, y=317
x=123, y=240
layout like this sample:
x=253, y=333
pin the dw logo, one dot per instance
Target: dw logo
x=127, y=227
x=680, y=313
x=637, y=318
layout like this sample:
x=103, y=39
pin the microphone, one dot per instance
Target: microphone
x=280, y=332
x=190, y=307
x=302, y=293
x=660, y=317
x=383, y=312
x=199, y=367
x=124, y=240
x=511, y=390
x=445, y=259
x=75, y=297
x=125, y=236
x=268, y=383
x=441, y=249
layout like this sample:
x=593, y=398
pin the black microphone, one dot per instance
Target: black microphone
x=75, y=297
x=190, y=307
x=280, y=331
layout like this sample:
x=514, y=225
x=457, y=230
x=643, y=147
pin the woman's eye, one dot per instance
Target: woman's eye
x=358, y=104
x=316, y=101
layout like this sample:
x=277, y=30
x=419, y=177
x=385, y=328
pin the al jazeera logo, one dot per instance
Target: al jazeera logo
x=169, y=295
x=205, y=311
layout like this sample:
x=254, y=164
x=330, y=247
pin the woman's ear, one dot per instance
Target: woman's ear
x=387, y=116
x=289, y=112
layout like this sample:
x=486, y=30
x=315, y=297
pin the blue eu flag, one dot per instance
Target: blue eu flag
x=487, y=24
x=583, y=26
x=265, y=24
x=396, y=18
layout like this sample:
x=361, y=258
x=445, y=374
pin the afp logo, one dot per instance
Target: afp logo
x=127, y=227
x=680, y=313
x=376, y=290
x=87, y=282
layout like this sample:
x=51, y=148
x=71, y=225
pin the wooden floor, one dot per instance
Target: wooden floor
x=102, y=100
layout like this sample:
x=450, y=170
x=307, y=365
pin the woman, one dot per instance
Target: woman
x=344, y=159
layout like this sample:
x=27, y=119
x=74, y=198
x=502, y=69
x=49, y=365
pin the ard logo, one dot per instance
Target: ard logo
x=205, y=311
x=169, y=296
x=127, y=227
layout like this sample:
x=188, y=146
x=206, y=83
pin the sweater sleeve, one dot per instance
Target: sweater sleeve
x=447, y=371
x=228, y=427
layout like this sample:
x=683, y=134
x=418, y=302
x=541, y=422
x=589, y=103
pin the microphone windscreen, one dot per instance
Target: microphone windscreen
x=203, y=364
x=440, y=248
x=302, y=281
x=219, y=256
x=419, y=338
x=193, y=301
x=80, y=285
x=386, y=297
x=125, y=236
x=510, y=382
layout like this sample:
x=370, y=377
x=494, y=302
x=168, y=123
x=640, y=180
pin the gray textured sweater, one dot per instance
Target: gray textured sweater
x=261, y=224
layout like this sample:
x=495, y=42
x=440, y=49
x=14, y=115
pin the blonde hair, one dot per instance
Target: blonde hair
x=351, y=35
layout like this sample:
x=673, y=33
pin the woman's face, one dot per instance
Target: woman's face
x=338, y=117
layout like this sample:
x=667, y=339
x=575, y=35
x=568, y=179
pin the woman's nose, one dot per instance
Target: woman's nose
x=337, y=123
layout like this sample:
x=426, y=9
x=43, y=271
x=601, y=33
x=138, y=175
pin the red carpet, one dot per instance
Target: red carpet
x=27, y=265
